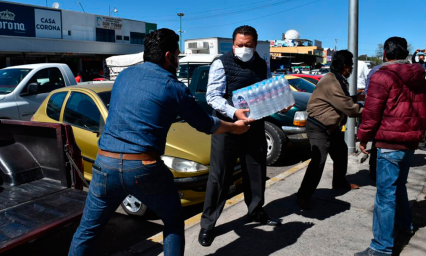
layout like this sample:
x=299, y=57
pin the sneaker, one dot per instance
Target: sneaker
x=371, y=252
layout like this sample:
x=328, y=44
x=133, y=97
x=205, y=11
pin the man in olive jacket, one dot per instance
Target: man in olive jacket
x=328, y=109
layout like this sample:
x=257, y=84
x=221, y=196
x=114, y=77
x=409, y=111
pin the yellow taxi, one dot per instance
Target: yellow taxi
x=85, y=108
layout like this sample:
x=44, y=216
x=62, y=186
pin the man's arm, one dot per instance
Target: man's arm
x=341, y=102
x=191, y=112
x=216, y=88
x=413, y=58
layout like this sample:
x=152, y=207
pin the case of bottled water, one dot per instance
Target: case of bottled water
x=265, y=97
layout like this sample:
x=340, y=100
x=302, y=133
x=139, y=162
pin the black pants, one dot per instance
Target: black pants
x=322, y=144
x=250, y=148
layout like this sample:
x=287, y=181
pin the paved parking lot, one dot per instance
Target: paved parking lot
x=123, y=231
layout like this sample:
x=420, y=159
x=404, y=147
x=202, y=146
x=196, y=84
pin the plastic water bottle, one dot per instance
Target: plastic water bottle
x=235, y=98
x=274, y=87
x=289, y=99
x=260, y=99
x=267, y=88
x=281, y=96
x=242, y=99
x=252, y=103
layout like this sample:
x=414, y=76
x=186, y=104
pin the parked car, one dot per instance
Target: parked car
x=310, y=78
x=85, y=108
x=282, y=130
x=39, y=189
x=23, y=88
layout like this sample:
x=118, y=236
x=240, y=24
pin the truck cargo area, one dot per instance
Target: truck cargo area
x=36, y=179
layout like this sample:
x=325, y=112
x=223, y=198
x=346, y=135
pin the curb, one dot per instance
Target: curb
x=158, y=238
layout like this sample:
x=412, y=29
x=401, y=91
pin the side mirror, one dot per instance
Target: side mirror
x=33, y=88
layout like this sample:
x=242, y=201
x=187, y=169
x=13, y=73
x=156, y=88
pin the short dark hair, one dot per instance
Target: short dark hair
x=159, y=42
x=339, y=59
x=245, y=30
x=396, y=48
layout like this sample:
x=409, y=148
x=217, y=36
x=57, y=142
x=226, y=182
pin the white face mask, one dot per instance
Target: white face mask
x=245, y=54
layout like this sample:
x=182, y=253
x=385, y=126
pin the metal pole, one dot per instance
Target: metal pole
x=353, y=48
x=180, y=30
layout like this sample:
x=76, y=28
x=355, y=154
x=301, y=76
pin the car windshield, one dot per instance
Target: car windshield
x=186, y=70
x=301, y=85
x=10, y=78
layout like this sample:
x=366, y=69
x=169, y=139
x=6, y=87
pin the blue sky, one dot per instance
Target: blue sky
x=324, y=20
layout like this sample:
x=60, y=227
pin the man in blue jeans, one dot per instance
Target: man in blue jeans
x=395, y=117
x=146, y=99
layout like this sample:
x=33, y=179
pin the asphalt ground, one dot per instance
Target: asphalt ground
x=123, y=231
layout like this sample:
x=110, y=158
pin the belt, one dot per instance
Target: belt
x=148, y=156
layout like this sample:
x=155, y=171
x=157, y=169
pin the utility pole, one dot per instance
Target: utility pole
x=353, y=48
x=180, y=30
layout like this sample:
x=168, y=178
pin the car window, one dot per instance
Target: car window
x=301, y=85
x=10, y=78
x=48, y=79
x=82, y=112
x=106, y=98
x=202, y=84
x=310, y=79
x=186, y=70
x=54, y=105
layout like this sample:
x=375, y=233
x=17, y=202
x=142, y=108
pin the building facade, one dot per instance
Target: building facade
x=34, y=34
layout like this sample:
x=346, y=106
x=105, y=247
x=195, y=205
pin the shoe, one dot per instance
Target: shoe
x=303, y=203
x=206, y=237
x=264, y=219
x=347, y=186
x=371, y=252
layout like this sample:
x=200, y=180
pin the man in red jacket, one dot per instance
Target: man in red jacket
x=395, y=117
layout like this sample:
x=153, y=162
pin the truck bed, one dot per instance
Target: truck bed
x=30, y=209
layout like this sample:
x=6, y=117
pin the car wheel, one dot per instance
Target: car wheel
x=276, y=143
x=132, y=206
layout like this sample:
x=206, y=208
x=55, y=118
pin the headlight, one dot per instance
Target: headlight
x=182, y=165
x=300, y=118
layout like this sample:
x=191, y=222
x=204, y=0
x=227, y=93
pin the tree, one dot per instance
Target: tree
x=379, y=51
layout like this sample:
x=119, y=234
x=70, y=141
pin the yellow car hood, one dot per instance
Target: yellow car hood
x=185, y=142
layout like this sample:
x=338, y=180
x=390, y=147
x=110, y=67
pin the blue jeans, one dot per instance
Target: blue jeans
x=391, y=207
x=114, y=179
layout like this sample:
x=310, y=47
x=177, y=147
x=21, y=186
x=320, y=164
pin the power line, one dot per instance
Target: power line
x=257, y=17
x=262, y=6
x=214, y=10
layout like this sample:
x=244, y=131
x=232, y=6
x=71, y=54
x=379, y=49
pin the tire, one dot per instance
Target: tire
x=132, y=206
x=277, y=143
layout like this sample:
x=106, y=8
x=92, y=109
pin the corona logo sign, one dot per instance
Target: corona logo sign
x=6, y=15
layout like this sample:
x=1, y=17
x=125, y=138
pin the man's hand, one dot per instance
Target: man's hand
x=241, y=126
x=418, y=50
x=240, y=114
x=287, y=109
x=363, y=147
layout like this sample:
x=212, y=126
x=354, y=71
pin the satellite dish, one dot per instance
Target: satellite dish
x=292, y=34
x=55, y=5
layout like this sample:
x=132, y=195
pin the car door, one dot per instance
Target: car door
x=48, y=79
x=83, y=114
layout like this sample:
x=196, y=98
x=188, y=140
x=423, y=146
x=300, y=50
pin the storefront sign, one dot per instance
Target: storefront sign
x=48, y=23
x=21, y=20
x=16, y=20
x=108, y=22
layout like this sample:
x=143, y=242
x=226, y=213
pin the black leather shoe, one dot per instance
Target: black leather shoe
x=206, y=237
x=264, y=219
